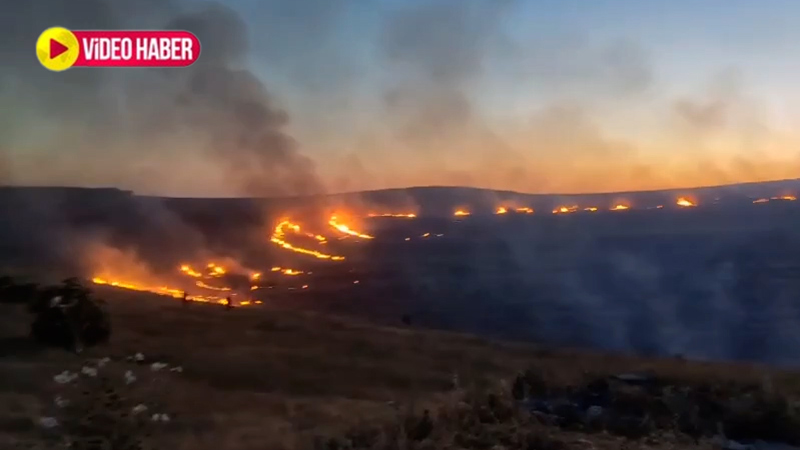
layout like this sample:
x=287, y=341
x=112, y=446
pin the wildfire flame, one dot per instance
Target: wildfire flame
x=685, y=203
x=278, y=238
x=590, y=209
x=215, y=270
x=347, y=230
x=524, y=210
x=161, y=290
x=620, y=207
x=189, y=271
x=399, y=216
x=565, y=209
x=212, y=288
x=461, y=213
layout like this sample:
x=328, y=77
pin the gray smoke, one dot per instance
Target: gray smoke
x=216, y=114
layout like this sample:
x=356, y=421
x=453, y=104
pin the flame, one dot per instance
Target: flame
x=501, y=210
x=213, y=288
x=524, y=210
x=761, y=200
x=685, y=203
x=161, y=290
x=215, y=270
x=278, y=238
x=189, y=271
x=565, y=209
x=590, y=209
x=789, y=198
x=346, y=230
x=255, y=276
x=395, y=215
x=620, y=207
x=461, y=213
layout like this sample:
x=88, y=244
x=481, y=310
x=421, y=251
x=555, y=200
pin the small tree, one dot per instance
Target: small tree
x=66, y=315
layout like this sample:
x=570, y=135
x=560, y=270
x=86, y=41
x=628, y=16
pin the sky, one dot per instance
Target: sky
x=307, y=96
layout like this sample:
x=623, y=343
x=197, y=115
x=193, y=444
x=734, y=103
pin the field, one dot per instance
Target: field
x=268, y=378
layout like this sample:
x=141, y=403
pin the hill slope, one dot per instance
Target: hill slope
x=254, y=379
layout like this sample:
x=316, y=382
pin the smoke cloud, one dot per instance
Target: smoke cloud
x=214, y=123
x=364, y=95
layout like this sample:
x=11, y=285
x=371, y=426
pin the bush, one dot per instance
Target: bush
x=14, y=292
x=66, y=315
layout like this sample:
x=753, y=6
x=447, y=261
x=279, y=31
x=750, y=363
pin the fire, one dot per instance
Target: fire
x=501, y=210
x=215, y=270
x=524, y=210
x=255, y=276
x=278, y=238
x=287, y=271
x=620, y=207
x=590, y=209
x=212, y=288
x=161, y=290
x=346, y=230
x=395, y=215
x=761, y=200
x=565, y=209
x=461, y=213
x=189, y=271
x=685, y=203
x=789, y=198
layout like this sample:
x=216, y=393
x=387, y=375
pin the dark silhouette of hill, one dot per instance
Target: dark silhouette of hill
x=717, y=281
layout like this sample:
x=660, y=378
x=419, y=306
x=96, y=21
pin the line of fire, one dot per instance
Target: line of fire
x=320, y=252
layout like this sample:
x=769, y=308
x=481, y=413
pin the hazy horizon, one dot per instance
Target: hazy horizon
x=311, y=96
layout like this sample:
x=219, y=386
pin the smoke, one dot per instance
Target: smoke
x=440, y=92
x=215, y=119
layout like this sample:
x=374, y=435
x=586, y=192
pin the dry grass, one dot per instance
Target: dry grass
x=265, y=379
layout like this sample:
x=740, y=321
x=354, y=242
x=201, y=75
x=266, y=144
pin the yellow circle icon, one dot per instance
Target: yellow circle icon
x=57, y=49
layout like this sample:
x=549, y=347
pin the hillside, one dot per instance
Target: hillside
x=262, y=378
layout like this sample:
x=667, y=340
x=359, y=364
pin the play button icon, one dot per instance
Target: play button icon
x=57, y=48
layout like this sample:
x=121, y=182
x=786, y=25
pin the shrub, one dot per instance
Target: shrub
x=66, y=315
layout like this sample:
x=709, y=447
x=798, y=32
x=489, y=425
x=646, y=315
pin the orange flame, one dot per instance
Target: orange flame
x=501, y=210
x=620, y=207
x=162, y=290
x=278, y=238
x=685, y=203
x=212, y=288
x=461, y=213
x=590, y=209
x=346, y=230
x=761, y=200
x=524, y=210
x=395, y=215
x=565, y=209
x=189, y=271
